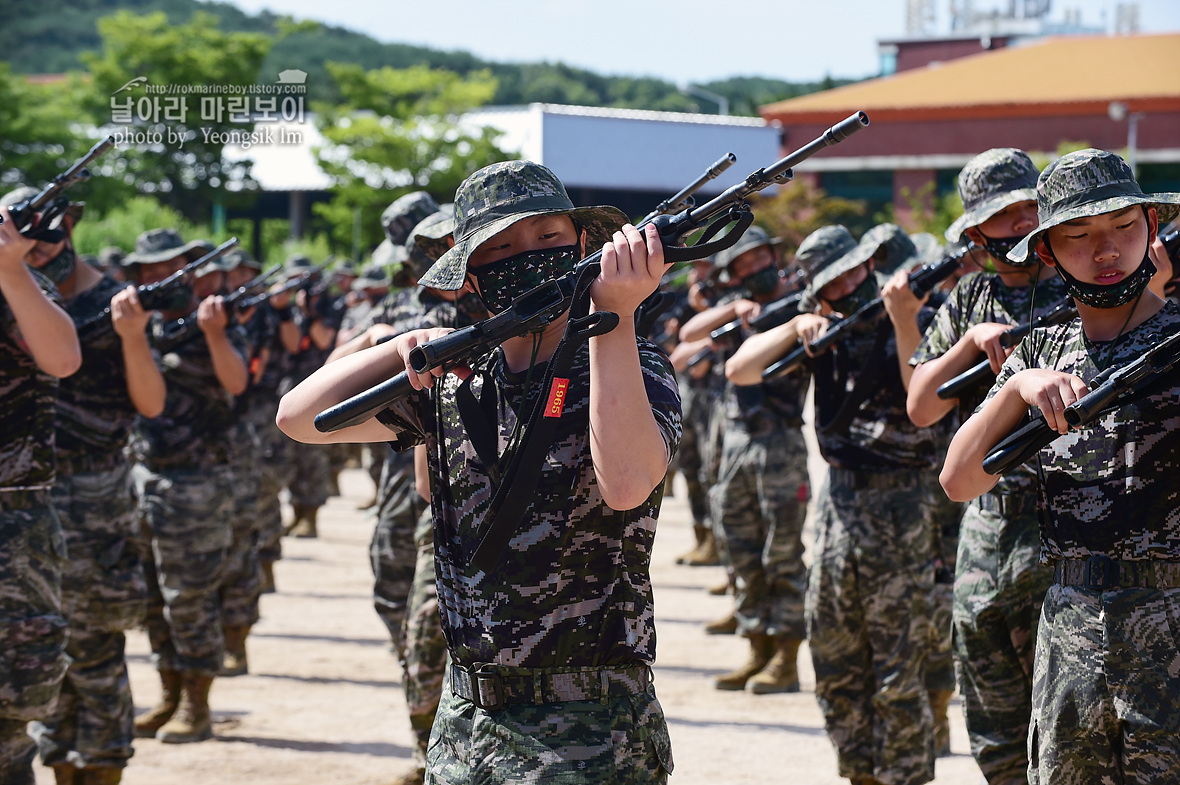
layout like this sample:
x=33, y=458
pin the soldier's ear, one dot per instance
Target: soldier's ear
x=1044, y=254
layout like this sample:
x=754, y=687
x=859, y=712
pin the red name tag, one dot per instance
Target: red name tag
x=557, y=397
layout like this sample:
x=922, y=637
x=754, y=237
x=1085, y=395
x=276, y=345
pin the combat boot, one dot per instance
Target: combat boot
x=100, y=775
x=234, y=662
x=65, y=774
x=305, y=522
x=705, y=554
x=781, y=674
x=147, y=724
x=761, y=645
x=724, y=626
x=192, y=722
x=268, y=577
x=415, y=777
x=719, y=589
x=939, y=701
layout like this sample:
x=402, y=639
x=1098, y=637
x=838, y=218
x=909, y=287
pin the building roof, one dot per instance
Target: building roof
x=1049, y=77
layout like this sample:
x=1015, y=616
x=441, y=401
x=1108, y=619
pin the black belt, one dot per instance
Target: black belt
x=1102, y=572
x=1009, y=505
x=492, y=687
x=859, y=479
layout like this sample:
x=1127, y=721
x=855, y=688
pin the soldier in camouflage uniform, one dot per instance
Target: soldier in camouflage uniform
x=550, y=644
x=87, y=736
x=1106, y=678
x=38, y=346
x=1000, y=582
x=867, y=605
x=185, y=491
x=760, y=499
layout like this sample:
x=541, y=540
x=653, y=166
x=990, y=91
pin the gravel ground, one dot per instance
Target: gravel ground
x=323, y=701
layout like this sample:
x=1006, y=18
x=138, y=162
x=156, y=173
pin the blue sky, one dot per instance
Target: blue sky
x=679, y=40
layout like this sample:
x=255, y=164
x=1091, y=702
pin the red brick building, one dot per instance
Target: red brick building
x=927, y=122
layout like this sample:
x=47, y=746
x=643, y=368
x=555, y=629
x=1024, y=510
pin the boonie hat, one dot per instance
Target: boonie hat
x=428, y=240
x=21, y=193
x=900, y=250
x=819, y=253
x=160, y=245
x=754, y=237
x=1087, y=183
x=500, y=195
x=405, y=213
x=991, y=181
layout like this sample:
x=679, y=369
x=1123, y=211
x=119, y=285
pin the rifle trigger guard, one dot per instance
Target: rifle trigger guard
x=593, y=325
x=741, y=217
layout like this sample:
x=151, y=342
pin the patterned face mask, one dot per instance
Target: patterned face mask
x=999, y=247
x=60, y=267
x=1112, y=295
x=502, y=282
x=763, y=282
x=862, y=295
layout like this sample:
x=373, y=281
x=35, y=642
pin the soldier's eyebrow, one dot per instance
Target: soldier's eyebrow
x=1086, y=219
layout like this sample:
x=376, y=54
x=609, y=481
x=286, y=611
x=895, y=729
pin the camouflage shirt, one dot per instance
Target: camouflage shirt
x=95, y=414
x=27, y=398
x=193, y=431
x=262, y=333
x=572, y=588
x=978, y=298
x=1111, y=487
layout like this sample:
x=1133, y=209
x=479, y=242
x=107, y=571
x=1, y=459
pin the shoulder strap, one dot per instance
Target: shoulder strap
x=868, y=380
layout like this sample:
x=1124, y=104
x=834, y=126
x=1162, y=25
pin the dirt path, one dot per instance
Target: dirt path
x=323, y=702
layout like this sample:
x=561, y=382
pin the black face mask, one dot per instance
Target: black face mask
x=1112, y=295
x=502, y=282
x=60, y=267
x=763, y=282
x=999, y=247
x=470, y=308
x=862, y=295
x=177, y=297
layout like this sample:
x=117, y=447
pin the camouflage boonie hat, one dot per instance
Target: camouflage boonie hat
x=74, y=210
x=500, y=195
x=900, y=250
x=754, y=237
x=218, y=265
x=991, y=181
x=405, y=213
x=160, y=245
x=1084, y=184
x=428, y=240
x=111, y=256
x=372, y=278
x=238, y=257
x=819, y=251
x=930, y=249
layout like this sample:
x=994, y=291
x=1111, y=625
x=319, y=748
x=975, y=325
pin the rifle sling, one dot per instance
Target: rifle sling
x=864, y=386
x=518, y=484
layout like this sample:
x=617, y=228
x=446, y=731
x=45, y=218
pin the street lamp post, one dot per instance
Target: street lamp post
x=721, y=101
x=1117, y=111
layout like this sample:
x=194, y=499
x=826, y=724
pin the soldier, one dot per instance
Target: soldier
x=185, y=490
x=867, y=605
x=760, y=499
x=1000, y=582
x=550, y=641
x=1106, y=677
x=38, y=346
x=88, y=735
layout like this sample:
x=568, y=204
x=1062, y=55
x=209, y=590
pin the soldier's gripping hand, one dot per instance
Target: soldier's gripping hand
x=632, y=267
x=1051, y=392
x=212, y=315
x=128, y=316
x=13, y=245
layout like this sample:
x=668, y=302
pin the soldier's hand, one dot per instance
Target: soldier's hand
x=746, y=310
x=1051, y=392
x=986, y=336
x=900, y=302
x=631, y=269
x=128, y=316
x=280, y=300
x=13, y=245
x=212, y=316
x=405, y=342
x=810, y=326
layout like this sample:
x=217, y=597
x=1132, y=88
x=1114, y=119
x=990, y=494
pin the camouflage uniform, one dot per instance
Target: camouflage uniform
x=32, y=550
x=1000, y=582
x=425, y=660
x=103, y=586
x=186, y=500
x=872, y=577
x=1107, y=669
x=513, y=620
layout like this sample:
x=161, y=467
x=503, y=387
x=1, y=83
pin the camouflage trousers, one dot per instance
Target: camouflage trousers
x=104, y=592
x=868, y=622
x=32, y=628
x=999, y=586
x=310, y=474
x=274, y=475
x=689, y=458
x=940, y=665
x=759, y=504
x=242, y=580
x=1106, y=685
x=187, y=513
x=618, y=740
x=391, y=551
x=425, y=662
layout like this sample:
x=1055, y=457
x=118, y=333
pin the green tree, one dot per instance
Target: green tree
x=397, y=132
x=799, y=208
x=927, y=211
x=186, y=177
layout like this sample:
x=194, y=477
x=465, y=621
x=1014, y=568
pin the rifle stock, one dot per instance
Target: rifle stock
x=49, y=203
x=553, y=298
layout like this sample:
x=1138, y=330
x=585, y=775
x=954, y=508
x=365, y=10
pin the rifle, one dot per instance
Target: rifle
x=51, y=203
x=922, y=281
x=953, y=388
x=151, y=295
x=184, y=329
x=1171, y=241
x=684, y=197
x=545, y=303
x=1111, y=389
x=294, y=283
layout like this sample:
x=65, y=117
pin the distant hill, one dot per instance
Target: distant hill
x=48, y=38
